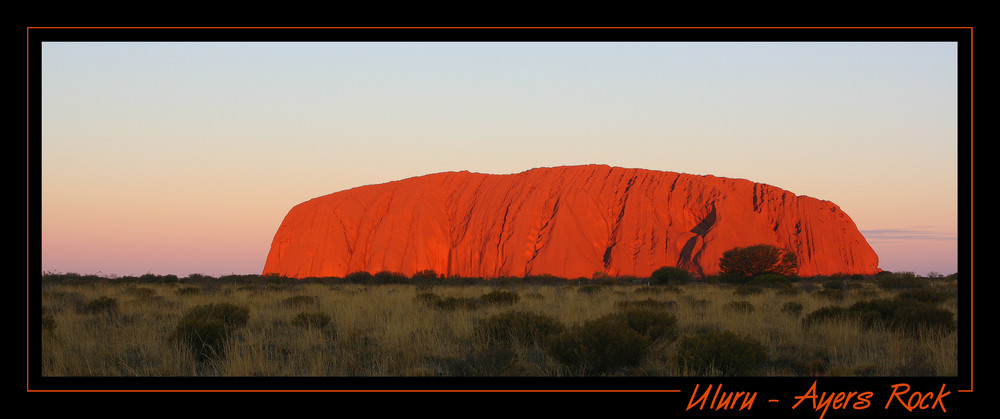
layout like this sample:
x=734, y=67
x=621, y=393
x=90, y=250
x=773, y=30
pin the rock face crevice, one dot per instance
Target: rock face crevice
x=570, y=222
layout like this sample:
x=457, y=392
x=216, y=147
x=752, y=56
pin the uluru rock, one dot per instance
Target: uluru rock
x=569, y=222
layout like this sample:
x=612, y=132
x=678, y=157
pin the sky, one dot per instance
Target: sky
x=183, y=157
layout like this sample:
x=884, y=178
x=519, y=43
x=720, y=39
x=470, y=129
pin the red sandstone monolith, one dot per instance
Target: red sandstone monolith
x=568, y=222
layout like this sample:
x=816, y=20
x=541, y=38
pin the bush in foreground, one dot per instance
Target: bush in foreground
x=500, y=298
x=906, y=315
x=310, y=319
x=491, y=362
x=792, y=307
x=648, y=303
x=300, y=301
x=433, y=300
x=724, y=351
x=899, y=281
x=599, y=346
x=824, y=314
x=654, y=324
x=48, y=322
x=515, y=327
x=100, y=305
x=741, y=306
x=206, y=328
x=902, y=314
x=925, y=295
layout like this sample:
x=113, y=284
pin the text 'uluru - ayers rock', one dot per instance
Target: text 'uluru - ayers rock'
x=569, y=222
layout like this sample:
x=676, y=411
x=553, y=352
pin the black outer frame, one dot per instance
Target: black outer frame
x=668, y=391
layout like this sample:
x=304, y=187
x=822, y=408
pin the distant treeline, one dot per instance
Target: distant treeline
x=429, y=277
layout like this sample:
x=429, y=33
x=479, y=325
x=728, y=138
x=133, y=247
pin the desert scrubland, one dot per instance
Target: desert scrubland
x=891, y=324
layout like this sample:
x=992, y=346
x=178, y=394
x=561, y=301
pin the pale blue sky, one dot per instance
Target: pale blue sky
x=191, y=153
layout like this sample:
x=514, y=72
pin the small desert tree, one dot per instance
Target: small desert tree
x=670, y=275
x=751, y=261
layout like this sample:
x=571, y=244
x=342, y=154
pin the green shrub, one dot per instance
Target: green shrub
x=748, y=289
x=359, y=277
x=255, y=289
x=873, y=313
x=731, y=278
x=597, y=347
x=429, y=299
x=654, y=290
x=650, y=303
x=823, y=314
x=162, y=279
x=48, y=322
x=899, y=314
x=445, y=303
x=423, y=286
x=152, y=301
x=142, y=292
x=771, y=281
x=925, y=295
x=424, y=275
x=866, y=370
x=389, y=277
x=672, y=289
x=100, y=305
x=653, y=323
x=899, y=281
x=615, y=280
x=452, y=303
x=184, y=291
x=724, y=351
x=310, y=319
x=697, y=303
x=739, y=306
x=798, y=360
x=788, y=292
x=807, y=287
x=491, y=362
x=517, y=327
x=835, y=284
x=866, y=293
x=903, y=314
x=590, y=289
x=830, y=294
x=206, y=328
x=300, y=300
x=669, y=275
x=792, y=307
x=500, y=298
x=535, y=296
x=758, y=259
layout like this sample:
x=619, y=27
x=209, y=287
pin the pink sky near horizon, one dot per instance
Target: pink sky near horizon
x=180, y=158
